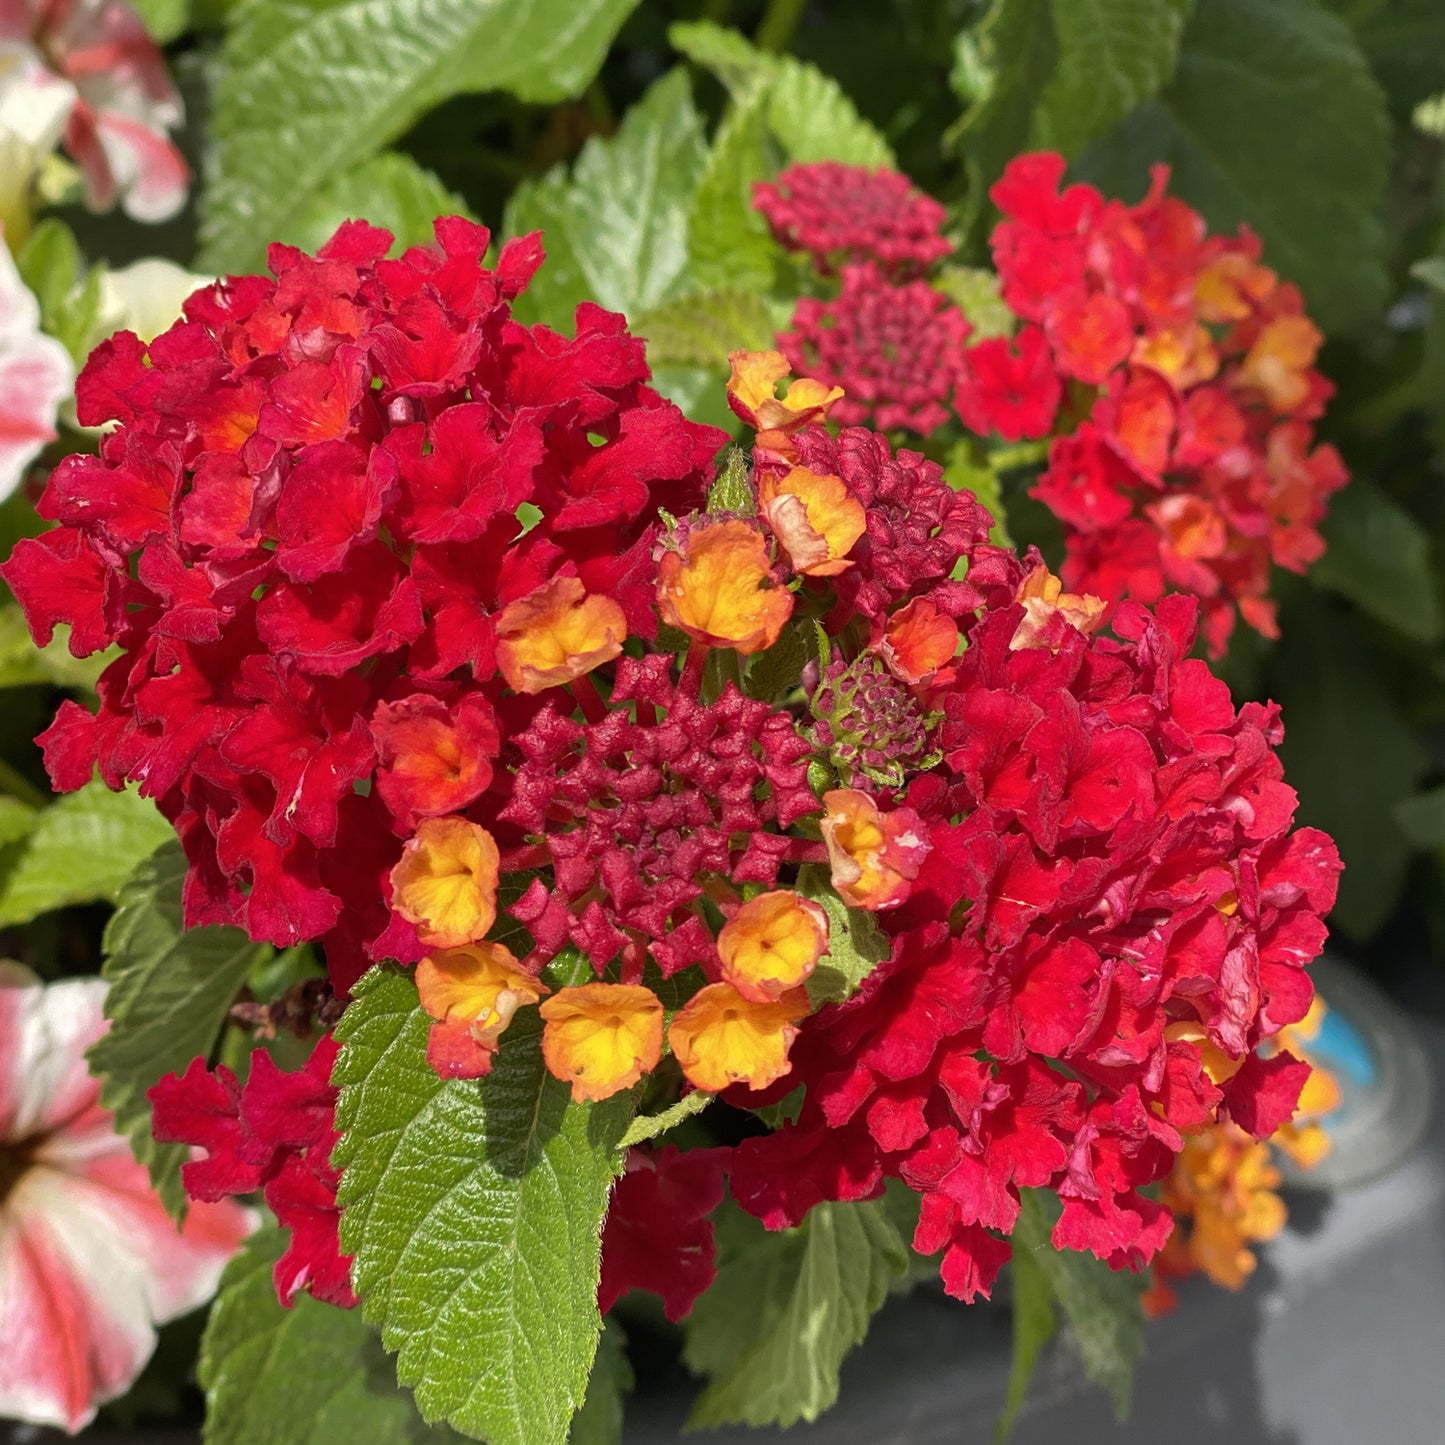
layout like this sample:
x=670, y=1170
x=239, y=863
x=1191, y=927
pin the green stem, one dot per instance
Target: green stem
x=19, y=786
x=779, y=21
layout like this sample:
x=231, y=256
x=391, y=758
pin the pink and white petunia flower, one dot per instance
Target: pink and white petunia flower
x=36, y=375
x=90, y=1262
x=95, y=62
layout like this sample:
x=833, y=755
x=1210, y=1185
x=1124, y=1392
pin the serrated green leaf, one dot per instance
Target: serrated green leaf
x=615, y=229
x=599, y=1421
x=1113, y=55
x=784, y=1311
x=389, y=190
x=309, y=1375
x=813, y=119
x=976, y=292
x=1379, y=557
x=308, y=88
x=170, y=989
x=701, y=330
x=651, y=1125
x=732, y=491
x=1331, y=697
x=1229, y=125
x=775, y=672
x=809, y=114
x=1033, y=1328
x=1101, y=1305
x=727, y=239
x=856, y=944
x=82, y=848
x=51, y=265
x=474, y=1212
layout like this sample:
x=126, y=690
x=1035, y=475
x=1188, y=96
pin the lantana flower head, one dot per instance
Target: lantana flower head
x=895, y=349
x=92, y=65
x=385, y=714
x=90, y=1263
x=838, y=213
x=1196, y=468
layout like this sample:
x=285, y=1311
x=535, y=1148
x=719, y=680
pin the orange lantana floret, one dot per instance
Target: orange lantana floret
x=814, y=516
x=471, y=992
x=753, y=387
x=875, y=856
x=446, y=882
x=719, y=590
x=772, y=944
x=557, y=633
x=919, y=641
x=1279, y=361
x=721, y=1038
x=602, y=1037
x=1044, y=598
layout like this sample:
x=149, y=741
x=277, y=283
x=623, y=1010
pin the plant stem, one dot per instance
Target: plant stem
x=20, y=787
x=779, y=21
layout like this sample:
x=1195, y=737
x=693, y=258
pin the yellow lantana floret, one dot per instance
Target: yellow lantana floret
x=720, y=1038
x=445, y=882
x=753, y=386
x=472, y=993
x=1044, y=598
x=602, y=1037
x=556, y=634
x=719, y=590
x=772, y=944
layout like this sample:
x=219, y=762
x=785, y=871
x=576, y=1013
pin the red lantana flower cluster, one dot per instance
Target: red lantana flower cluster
x=1195, y=467
x=439, y=639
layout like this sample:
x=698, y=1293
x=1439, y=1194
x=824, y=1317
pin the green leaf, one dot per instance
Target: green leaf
x=23, y=664
x=701, y=330
x=728, y=240
x=1113, y=55
x=1101, y=1305
x=599, y=1421
x=1348, y=752
x=17, y=819
x=308, y=1375
x=474, y=1212
x=389, y=190
x=976, y=292
x=785, y=1309
x=165, y=19
x=1230, y=126
x=310, y=87
x=1431, y=271
x=170, y=991
x=856, y=944
x=1033, y=1328
x=651, y=1125
x=616, y=228
x=1404, y=41
x=82, y=848
x=808, y=113
x=1378, y=556
x=1422, y=818
x=70, y=296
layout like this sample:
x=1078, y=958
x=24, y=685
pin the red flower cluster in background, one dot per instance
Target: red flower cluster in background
x=301, y=535
x=1193, y=364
